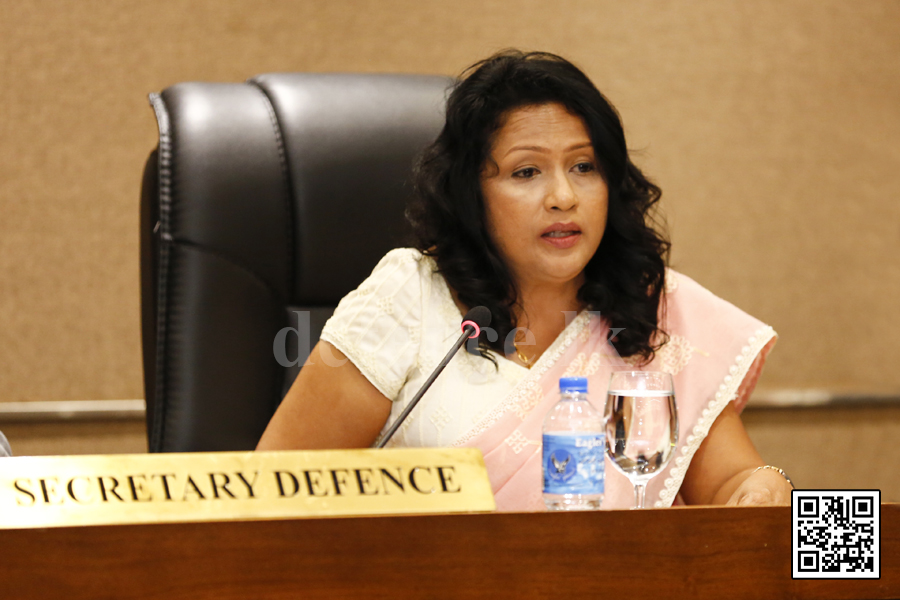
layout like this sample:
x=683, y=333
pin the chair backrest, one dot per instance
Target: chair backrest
x=263, y=205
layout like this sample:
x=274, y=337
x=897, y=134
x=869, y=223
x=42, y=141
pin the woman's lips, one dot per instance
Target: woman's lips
x=565, y=239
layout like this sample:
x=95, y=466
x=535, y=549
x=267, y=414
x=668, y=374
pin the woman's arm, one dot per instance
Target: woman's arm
x=723, y=471
x=327, y=407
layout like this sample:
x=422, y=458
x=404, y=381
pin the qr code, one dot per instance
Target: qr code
x=836, y=534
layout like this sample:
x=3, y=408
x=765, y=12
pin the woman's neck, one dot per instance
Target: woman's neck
x=543, y=311
x=543, y=304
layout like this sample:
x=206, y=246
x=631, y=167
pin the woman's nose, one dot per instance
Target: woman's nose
x=561, y=195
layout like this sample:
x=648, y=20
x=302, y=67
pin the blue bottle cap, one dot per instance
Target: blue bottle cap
x=573, y=384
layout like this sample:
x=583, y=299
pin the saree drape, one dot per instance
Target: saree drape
x=715, y=353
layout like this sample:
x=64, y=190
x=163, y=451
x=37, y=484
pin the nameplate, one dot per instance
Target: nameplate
x=57, y=491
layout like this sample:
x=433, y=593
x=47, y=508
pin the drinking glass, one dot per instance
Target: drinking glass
x=641, y=425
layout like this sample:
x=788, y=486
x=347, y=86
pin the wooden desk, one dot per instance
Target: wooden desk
x=676, y=553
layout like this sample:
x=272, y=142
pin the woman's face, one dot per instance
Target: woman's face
x=545, y=198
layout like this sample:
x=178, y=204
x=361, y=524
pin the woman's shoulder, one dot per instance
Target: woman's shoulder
x=694, y=309
x=378, y=325
x=400, y=265
x=676, y=280
x=723, y=346
x=682, y=290
x=402, y=255
x=406, y=260
x=397, y=277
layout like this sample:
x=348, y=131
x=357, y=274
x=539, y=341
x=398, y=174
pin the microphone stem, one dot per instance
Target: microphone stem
x=412, y=403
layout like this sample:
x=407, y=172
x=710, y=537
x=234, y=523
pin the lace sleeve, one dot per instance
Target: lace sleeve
x=378, y=325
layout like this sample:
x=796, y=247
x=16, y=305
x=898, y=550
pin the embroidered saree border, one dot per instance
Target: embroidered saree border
x=726, y=393
x=544, y=364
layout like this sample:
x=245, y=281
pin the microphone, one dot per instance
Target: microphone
x=475, y=319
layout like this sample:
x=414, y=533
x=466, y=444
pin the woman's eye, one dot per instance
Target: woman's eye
x=584, y=167
x=526, y=173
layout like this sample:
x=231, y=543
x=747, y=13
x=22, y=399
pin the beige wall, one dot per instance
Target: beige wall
x=772, y=126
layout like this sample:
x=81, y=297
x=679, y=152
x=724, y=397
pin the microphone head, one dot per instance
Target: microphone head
x=480, y=315
x=476, y=318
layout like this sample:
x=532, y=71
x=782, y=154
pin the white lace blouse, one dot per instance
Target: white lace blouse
x=396, y=327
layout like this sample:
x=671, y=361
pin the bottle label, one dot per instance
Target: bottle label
x=574, y=463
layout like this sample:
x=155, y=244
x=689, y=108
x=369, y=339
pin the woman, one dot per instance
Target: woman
x=527, y=203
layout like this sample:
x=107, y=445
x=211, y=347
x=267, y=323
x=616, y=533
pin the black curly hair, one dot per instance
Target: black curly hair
x=625, y=278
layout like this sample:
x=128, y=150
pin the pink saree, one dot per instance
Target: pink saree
x=715, y=354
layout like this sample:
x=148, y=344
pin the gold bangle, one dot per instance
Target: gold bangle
x=777, y=470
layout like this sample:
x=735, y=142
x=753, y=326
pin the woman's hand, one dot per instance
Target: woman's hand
x=765, y=487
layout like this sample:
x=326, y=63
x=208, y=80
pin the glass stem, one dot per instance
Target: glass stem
x=639, y=495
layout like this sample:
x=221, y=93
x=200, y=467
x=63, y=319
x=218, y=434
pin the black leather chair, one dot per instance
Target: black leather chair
x=263, y=199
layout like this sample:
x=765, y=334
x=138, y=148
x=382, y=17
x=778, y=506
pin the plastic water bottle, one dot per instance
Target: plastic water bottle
x=574, y=450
